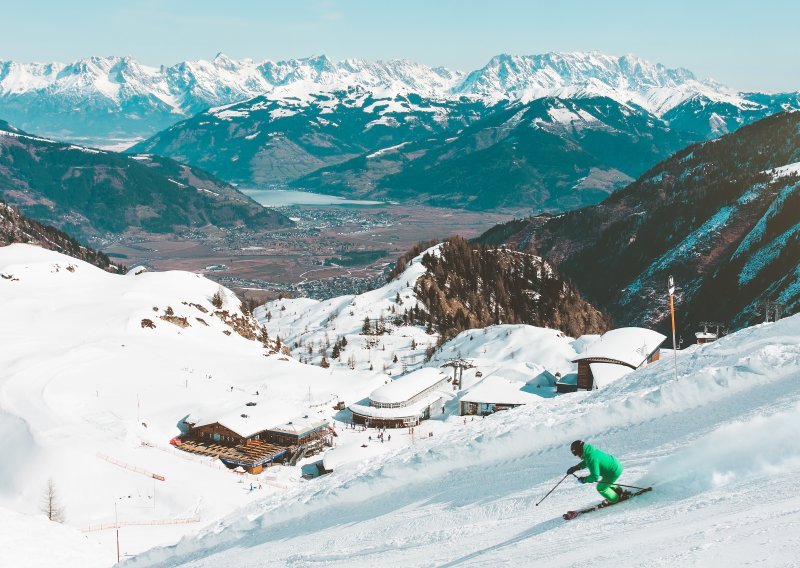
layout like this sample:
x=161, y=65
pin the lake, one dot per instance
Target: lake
x=284, y=197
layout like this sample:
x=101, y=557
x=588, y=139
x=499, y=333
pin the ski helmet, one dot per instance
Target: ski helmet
x=576, y=448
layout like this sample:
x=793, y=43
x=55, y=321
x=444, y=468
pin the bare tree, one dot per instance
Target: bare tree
x=50, y=504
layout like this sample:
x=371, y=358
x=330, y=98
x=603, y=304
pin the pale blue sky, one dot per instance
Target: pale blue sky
x=745, y=44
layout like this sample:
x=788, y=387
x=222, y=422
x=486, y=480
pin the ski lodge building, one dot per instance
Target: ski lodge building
x=494, y=393
x=248, y=438
x=405, y=401
x=615, y=354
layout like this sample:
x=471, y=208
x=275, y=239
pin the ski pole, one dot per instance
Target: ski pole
x=617, y=484
x=553, y=489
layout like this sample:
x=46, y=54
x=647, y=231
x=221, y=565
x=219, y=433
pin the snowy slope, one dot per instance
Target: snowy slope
x=303, y=322
x=87, y=385
x=718, y=445
x=572, y=75
x=516, y=352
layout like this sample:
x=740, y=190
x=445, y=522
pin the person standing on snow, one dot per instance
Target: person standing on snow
x=601, y=466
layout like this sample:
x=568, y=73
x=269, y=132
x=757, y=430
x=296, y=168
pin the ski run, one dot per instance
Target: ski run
x=90, y=397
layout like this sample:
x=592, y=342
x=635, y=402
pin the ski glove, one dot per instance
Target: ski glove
x=572, y=470
x=581, y=480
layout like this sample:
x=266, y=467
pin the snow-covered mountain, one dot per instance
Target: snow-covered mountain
x=107, y=97
x=444, y=290
x=89, y=191
x=285, y=134
x=90, y=396
x=547, y=154
x=117, y=96
x=98, y=371
x=570, y=75
x=722, y=217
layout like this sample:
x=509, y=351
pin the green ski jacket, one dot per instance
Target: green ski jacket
x=600, y=464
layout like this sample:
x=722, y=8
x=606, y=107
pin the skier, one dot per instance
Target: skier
x=601, y=465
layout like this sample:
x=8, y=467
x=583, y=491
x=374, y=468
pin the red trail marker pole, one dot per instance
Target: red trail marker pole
x=672, y=312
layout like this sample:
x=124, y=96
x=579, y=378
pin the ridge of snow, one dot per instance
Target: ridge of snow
x=190, y=86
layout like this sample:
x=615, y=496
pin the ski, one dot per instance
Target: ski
x=569, y=515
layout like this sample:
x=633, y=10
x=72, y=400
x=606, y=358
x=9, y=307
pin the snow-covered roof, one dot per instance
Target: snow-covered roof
x=705, y=335
x=339, y=456
x=301, y=425
x=246, y=421
x=543, y=379
x=569, y=379
x=606, y=373
x=497, y=390
x=411, y=411
x=628, y=345
x=408, y=386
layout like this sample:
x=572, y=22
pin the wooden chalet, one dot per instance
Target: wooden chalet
x=247, y=437
x=237, y=438
x=615, y=354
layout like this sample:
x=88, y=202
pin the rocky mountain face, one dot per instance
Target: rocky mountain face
x=722, y=217
x=275, y=139
x=524, y=133
x=467, y=288
x=88, y=191
x=548, y=154
x=17, y=228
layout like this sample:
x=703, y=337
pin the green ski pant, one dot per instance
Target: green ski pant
x=606, y=489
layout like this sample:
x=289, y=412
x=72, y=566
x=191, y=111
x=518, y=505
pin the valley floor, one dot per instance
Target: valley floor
x=277, y=261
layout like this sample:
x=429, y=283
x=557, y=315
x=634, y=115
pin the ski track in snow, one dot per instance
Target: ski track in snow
x=718, y=445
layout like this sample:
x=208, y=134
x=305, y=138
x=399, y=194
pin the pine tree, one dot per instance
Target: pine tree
x=216, y=299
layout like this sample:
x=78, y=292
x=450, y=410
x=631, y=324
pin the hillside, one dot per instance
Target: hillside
x=549, y=154
x=99, y=370
x=720, y=216
x=717, y=445
x=86, y=191
x=16, y=228
x=468, y=287
x=435, y=294
x=279, y=137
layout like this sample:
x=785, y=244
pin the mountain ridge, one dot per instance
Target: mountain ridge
x=142, y=99
x=721, y=216
x=88, y=191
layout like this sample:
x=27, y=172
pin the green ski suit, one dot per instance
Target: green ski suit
x=604, y=467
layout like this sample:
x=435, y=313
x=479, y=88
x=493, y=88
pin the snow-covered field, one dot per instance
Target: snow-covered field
x=719, y=446
x=82, y=383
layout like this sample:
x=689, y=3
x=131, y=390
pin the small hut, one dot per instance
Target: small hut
x=615, y=354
